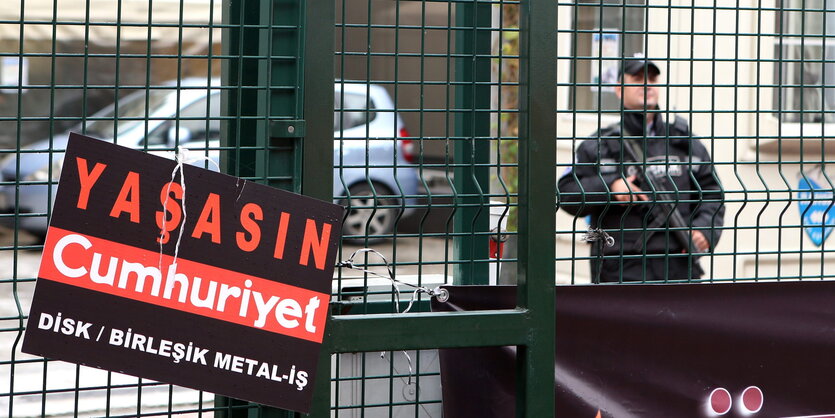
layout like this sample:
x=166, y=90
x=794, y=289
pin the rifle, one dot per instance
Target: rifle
x=681, y=233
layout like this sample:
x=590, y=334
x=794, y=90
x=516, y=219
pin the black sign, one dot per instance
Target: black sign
x=695, y=350
x=197, y=279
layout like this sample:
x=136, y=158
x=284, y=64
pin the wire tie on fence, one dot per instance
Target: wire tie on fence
x=442, y=295
x=181, y=157
x=598, y=234
x=408, y=362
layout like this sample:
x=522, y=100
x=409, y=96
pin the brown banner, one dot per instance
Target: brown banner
x=734, y=350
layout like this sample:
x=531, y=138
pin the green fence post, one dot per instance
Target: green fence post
x=472, y=143
x=247, y=37
x=281, y=131
x=317, y=167
x=537, y=205
x=244, y=134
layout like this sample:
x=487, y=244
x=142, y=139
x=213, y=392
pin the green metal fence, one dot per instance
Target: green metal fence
x=443, y=127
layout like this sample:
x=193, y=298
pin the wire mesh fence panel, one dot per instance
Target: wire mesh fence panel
x=425, y=155
x=730, y=114
x=148, y=76
x=139, y=74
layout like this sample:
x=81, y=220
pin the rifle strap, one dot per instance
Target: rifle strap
x=636, y=154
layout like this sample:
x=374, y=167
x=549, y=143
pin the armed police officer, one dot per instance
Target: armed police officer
x=649, y=188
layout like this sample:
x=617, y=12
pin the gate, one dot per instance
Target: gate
x=452, y=121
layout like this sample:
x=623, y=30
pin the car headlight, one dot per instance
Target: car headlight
x=43, y=173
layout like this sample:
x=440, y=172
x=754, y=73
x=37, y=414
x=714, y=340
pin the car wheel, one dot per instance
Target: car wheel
x=369, y=216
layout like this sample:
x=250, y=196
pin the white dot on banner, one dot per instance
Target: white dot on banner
x=720, y=401
x=752, y=399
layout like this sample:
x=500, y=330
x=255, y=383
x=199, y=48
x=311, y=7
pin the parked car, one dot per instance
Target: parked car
x=373, y=176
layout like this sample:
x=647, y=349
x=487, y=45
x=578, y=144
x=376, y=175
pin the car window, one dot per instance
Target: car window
x=201, y=118
x=356, y=110
x=131, y=112
x=158, y=136
x=192, y=118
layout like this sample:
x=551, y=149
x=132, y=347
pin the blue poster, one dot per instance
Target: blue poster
x=817, y=209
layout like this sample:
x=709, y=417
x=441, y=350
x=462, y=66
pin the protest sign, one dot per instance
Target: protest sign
x=184, y=275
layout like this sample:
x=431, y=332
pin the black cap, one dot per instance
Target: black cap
x=633, y=66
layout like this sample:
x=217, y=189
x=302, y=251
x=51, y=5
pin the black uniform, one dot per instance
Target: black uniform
x=642, y=241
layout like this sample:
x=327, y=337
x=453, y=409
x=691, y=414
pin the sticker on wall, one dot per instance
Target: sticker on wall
x=816, y=206
x=604, y=73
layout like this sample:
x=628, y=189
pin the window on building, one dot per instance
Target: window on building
x=604, y=31
x=805, y=51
